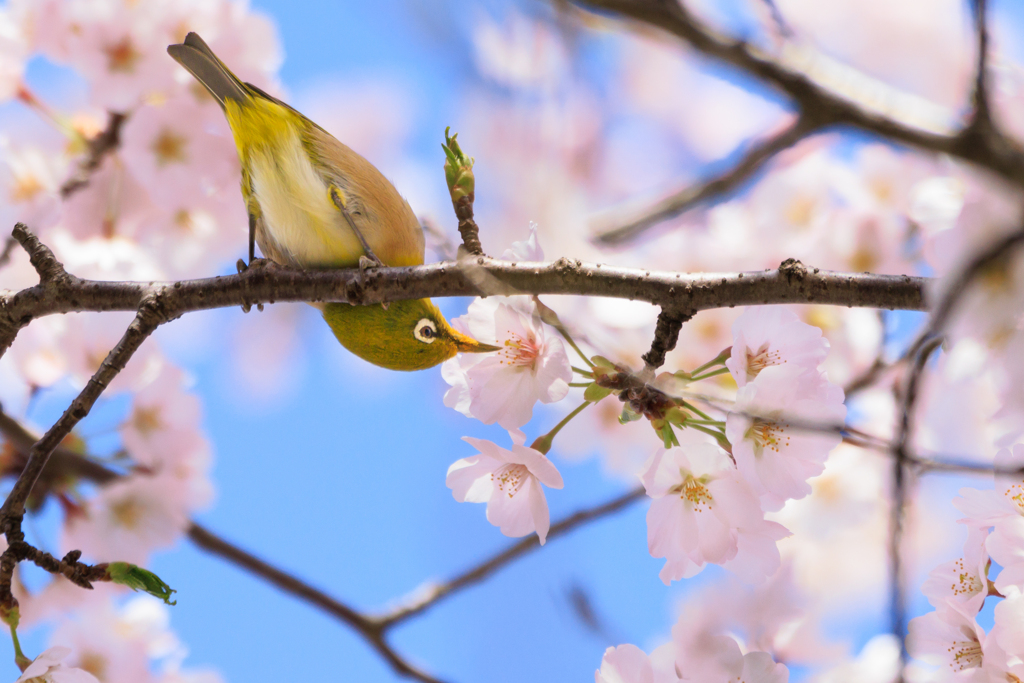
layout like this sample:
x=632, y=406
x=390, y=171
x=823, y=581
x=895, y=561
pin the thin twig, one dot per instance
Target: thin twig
x=369, y=629
x=5, y=255
x=106, y=142
x=981, y=114
x=904, y=433
x=429, y=595
x=716, y=187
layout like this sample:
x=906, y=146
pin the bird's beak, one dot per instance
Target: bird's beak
x=467, y=344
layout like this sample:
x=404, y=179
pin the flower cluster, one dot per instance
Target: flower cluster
x=950, y=637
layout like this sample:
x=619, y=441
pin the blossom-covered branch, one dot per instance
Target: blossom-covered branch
x=979, y=141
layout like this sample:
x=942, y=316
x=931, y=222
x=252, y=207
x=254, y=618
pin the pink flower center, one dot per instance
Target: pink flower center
x=509, y=478
x=768, y=433
x=966, y=654
x=519, y=352
x=761, y=359
x=695, y=493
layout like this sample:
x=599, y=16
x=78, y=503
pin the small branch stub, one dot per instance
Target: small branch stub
x=666, y=334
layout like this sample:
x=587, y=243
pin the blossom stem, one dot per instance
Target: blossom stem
x=543, y=443
x=719, y=436
x=694, y=409
x=568, y=337
x=33, y=102
x=713, y=373
x=711, y=423
x=580, y=384
x=585, y=373
x=717, y=360
x=19, y=657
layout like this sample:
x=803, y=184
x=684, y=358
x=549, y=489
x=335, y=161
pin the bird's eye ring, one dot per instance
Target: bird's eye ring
x=425, y=331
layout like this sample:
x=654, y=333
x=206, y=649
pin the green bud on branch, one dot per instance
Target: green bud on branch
x=458, y=168
x=137, y=579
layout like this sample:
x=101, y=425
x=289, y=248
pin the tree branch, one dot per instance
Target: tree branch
x=146, y=321
x=473, y=277
x=752, y=161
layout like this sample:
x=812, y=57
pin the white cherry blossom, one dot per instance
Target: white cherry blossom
x=509, y=481
x=502, y=387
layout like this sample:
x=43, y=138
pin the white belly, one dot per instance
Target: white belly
x=297, y=210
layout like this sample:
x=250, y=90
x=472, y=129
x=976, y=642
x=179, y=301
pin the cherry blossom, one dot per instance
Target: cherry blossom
x=130, y=518
x=502, y=387
x=509, y=481
x=948, y=639
x=704, y=512
x=782, y=427
x=49, y=668
x=769, y=336
x=162, y=433
x=961, y=584
x=629, y=664
x=720, y=660
x=525, y=250
x=986, y=508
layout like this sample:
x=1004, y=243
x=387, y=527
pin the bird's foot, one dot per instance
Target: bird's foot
x=258, y=263
x=368, y=262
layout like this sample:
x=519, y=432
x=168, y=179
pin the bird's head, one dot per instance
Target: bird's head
x=407, y=335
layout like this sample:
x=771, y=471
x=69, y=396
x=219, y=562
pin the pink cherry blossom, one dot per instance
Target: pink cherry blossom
x=525, y=250
x=704, y=512
x=986, y=508
x=782, y=428
x=129, y=519
x=509, y=481
x=163, y=434
x=49, y=668
x=1008, y=629
x=105, y=644
x=961, y=584
x=629, y=664
x=1006, y=545
x=769, y=336
x=502, y=387
x=948, y=639
x=719, y=660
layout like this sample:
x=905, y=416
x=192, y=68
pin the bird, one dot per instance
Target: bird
x=315, y=203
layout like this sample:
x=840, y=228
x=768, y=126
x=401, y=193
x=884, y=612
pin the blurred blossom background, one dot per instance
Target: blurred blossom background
x=262, y=428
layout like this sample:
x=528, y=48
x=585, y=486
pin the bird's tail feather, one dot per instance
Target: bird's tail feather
x=196, y=56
